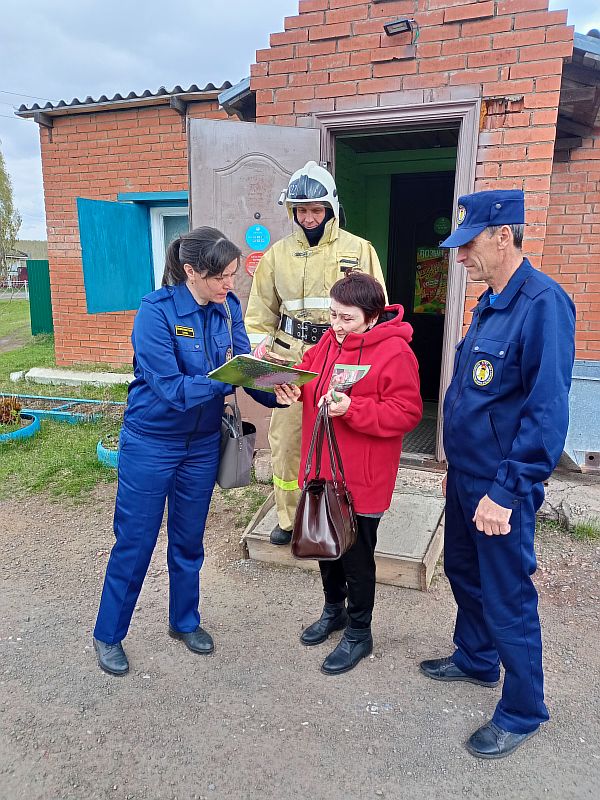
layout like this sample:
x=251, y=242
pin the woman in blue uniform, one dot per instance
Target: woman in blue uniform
x=170, y=440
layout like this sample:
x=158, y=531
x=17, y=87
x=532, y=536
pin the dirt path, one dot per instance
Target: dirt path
x=258, y=719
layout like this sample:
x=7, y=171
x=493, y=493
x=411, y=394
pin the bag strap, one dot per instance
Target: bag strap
x=316, y=441
x=334, y=450
x=232, y=409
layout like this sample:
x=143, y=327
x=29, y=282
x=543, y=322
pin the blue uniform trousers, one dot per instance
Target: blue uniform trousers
x=497, y=619
x=150, y=469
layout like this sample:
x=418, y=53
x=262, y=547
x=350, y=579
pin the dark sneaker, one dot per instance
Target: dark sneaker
x=444, y=669
x=492, y=741
x=111, y=657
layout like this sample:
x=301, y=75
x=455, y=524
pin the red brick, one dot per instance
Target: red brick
x=517, y=6
x=481, y=27
x=388, y=68
x=466, y=44
x=308, y=78
x=338, y=31
x=546, y=51
x=306, y=6
x=293, y=65
x=394, y=53
x=289, y=37
x=368, y=42
x=399, y=8
x=349, y=14
x=304, y=20
x=540, y=19
x=359, y=73
x=532, y=69
x=431, y=80
x=316, y=48
x=507, y=88
x=520, y=38
x=520, y=135
x=474, y=76
x=542, y=100
x=330, y=61
x=314, y=106
x=294, y=93
x=336, y=89
x=443, y=64
x=484, y=8
x=360, y=57
x=494, y=57
x=560, y=34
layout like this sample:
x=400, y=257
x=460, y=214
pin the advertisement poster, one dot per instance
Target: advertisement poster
x=431, y=280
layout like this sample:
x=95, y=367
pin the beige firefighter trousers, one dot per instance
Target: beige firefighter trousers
x=285, y=441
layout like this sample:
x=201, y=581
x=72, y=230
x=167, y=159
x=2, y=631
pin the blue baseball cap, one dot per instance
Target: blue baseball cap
x=480, y=210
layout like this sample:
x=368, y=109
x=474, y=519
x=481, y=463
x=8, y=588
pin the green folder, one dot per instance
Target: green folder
x=255, y=373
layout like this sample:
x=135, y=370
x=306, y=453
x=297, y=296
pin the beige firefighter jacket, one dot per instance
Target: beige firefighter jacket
x=293, y=278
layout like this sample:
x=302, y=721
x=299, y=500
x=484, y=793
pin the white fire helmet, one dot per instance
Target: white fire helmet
x=311, y=184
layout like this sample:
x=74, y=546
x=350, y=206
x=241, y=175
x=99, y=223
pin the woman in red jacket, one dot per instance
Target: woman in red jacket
x=370, y=421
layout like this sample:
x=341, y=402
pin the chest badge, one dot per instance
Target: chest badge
x=483, y=372
x=181, y=330
x=229, y=354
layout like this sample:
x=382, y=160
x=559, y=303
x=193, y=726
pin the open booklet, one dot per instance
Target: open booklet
x=255, y=373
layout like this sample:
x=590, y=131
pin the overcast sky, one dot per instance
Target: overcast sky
x=74, y=48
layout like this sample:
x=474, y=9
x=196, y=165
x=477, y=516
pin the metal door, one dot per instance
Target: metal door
x=237, y=173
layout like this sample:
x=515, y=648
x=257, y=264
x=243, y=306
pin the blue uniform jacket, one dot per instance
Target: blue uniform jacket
x=506, y=411
x=176, y=342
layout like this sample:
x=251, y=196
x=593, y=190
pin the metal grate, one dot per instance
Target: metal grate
x=422, y=439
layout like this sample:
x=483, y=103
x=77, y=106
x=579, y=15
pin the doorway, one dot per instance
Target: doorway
x=397, y=188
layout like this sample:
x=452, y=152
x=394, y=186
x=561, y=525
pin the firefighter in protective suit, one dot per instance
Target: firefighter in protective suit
x=288, y=309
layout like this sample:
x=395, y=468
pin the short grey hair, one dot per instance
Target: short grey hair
x=518, y=232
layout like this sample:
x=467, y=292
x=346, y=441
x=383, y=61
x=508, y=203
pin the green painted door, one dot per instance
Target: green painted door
x=40, y=298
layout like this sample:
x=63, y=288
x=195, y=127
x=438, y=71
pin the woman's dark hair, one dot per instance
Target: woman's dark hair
x=361, y=290
x=207, y=250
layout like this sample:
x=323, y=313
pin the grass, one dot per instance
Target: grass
x=60, y=460
x=245, y=501
x=14, y=318
x=587, y=530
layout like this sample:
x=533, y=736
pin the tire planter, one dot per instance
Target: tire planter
x=25, y=432
x=107, y=456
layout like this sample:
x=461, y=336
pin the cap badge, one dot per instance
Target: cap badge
x=462, y=213
x=483, y=372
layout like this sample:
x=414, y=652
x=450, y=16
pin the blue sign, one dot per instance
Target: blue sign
x=258, y=237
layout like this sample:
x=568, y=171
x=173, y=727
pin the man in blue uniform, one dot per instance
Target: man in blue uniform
x=505, y=423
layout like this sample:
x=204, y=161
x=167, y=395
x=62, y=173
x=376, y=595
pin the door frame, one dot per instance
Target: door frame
x=467, y=114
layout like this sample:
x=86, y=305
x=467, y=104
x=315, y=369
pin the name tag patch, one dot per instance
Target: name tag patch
x=180, y=330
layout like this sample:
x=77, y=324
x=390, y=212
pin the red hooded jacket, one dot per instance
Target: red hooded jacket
x=385, y=405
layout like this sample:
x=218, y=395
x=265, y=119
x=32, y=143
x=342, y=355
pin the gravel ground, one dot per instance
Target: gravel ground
x=257, y=719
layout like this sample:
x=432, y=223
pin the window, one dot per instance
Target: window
x=166, y=224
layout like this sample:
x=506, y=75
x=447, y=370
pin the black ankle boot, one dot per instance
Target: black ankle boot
x=333, y=618
x=356, y=644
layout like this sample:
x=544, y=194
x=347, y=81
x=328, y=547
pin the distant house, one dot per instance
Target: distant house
x=16, y=272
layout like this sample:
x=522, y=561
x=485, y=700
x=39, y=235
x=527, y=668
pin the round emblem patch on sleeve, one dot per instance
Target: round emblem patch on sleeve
x=483, y=372
x=462, y=213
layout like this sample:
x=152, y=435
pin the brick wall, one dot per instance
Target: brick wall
x=97, y=156
x=572, y=246
x=334, y=55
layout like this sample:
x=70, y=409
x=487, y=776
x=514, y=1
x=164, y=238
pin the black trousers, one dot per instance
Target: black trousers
x=353, y=575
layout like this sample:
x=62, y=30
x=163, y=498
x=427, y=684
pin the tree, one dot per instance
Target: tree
x=10, y=219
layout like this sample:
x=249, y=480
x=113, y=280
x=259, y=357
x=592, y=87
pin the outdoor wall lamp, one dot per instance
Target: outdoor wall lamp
x=402, y=25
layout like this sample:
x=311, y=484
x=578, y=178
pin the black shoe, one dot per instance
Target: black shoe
x=355, y=644
x=491, y=741
x=111, y=657
x=198, y=641
x=444, y=669
x=279, y=536
x=333, y=618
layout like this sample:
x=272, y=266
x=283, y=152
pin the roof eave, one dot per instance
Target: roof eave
x=118, y=105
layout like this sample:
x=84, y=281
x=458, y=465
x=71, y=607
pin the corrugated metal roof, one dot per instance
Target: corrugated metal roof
x=147, y=97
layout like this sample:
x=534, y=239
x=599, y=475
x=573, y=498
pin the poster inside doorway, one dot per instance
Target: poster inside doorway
x=431, y=280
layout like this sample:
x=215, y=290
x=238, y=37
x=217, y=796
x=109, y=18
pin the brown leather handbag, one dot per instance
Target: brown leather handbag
x=325, y=522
